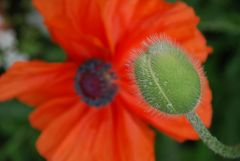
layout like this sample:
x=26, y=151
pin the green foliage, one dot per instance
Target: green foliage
x=17, y=138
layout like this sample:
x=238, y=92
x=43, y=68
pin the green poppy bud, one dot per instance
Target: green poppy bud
x=167, y=79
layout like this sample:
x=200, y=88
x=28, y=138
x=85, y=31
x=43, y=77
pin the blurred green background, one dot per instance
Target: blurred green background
x=220, y=22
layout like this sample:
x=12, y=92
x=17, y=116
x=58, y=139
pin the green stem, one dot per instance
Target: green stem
x=212, y=142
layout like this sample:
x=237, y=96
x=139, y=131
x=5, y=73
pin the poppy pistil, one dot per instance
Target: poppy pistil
x=95, y=82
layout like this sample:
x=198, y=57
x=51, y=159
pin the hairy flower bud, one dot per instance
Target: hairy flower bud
x=170, y=82
x=167, y=78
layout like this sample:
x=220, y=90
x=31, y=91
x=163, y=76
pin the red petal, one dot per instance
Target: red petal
x=81, y=47
x=51, y=110
x=116, y=15
x=25, y=80
x=86, y=18
x=177, y=20
x=96, y=22
x=105, y=134
x=59, y=129
x=135, y=139
x=79, y=35
x=177, y=127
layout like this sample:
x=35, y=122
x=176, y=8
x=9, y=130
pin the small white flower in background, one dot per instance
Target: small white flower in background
x=1, y=21
x=11, y=57
x=7, y=39
x=35, y=19
x=8, y=49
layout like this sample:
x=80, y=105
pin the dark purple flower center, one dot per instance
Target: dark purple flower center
x=95, y=82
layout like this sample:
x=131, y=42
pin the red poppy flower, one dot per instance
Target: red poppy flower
x=83, y=106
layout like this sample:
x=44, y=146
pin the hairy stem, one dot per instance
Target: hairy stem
x=212, y=142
